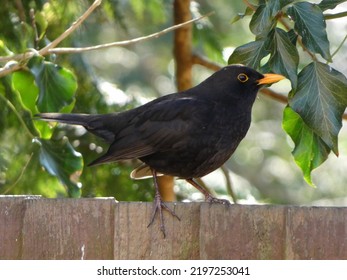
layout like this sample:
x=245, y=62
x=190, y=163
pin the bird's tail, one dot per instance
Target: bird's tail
x=96, y=124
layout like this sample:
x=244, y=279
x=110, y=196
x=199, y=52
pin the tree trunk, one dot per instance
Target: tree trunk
x=183, y=58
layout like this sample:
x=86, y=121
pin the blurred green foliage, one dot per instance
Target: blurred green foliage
x=116, y=79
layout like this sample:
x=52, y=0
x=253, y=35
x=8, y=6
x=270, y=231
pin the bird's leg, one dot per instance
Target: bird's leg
x=208, y=197
x=159, y=205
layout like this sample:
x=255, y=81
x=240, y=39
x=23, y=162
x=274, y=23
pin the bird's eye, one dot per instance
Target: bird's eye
x=242, y=77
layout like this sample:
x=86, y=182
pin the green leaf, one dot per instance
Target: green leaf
x=56, y=85
x=277, y=5
x=320, y=99
x=293, y=37
x=284, y=57
x=61, y=160
x=262, y=21
x=329, y=4
x=311, y=26
x=249, y=54
x=24, y=83
x=310, y=151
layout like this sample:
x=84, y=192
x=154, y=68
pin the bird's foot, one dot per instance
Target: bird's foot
x=211, y=199
x=208, y=197
x=159, y=205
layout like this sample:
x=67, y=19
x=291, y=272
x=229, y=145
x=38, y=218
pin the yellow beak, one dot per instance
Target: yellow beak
x=270, y=78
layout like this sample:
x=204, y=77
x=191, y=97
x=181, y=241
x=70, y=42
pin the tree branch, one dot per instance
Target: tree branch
x=274, y=95
x=333, y=16
x=126, y=42
x=249, y=5
x=196, y=59
x=16, y=62
x=71, y=29
x=183, y=45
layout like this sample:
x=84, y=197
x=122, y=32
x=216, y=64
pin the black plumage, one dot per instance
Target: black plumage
x=187, y=134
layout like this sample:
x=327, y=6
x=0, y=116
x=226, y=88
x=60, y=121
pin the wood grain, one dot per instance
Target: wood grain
x=39, y=228
x=68, y=229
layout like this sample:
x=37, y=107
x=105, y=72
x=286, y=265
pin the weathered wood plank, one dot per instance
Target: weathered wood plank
x=241, y=232
x=12, y=211
x=134, y=240
x=68, y=229
x=32, y=228
x=316, y=233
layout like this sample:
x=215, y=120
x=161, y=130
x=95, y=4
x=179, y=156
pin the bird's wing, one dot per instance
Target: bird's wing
x=157, y=127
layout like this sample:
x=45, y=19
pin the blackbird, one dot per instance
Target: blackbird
x=186, y=134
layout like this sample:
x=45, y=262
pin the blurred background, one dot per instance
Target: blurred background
x=262, y=169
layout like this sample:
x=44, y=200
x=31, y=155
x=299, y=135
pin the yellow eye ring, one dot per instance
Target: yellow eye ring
x=242, y=78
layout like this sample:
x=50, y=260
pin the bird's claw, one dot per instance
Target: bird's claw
x=159, y=205
x=212, y=199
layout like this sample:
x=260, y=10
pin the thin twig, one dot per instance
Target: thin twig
x=339, y=47
x=71, y=29
x=21, y=10
x=44, y=51
x=20, y=175
x=249, y=5
x=28, y=54
x=337, y=15
x=25, y=56
x=196, y=59
x=33, y=24
x=274, y=95
x=127, y=42
x=13, y=108
x=8, y=69
x=230, y=190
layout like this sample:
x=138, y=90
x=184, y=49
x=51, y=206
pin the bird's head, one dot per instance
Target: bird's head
x=239, y=82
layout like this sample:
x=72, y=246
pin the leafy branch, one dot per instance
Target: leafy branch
x=316, y=104
x=18, y=61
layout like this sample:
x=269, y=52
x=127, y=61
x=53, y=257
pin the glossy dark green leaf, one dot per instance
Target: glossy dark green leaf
x=311, y=26
x=61, y=160
x=249, y=54
x=293, y=37
x=320, y=99
x=284, y=56
x=277, y=5
x=310, y=151
x=262, y=21
x=56, y=85
x=329, y=4
x=264, y=18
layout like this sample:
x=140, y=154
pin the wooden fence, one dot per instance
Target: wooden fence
x=37, y=228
